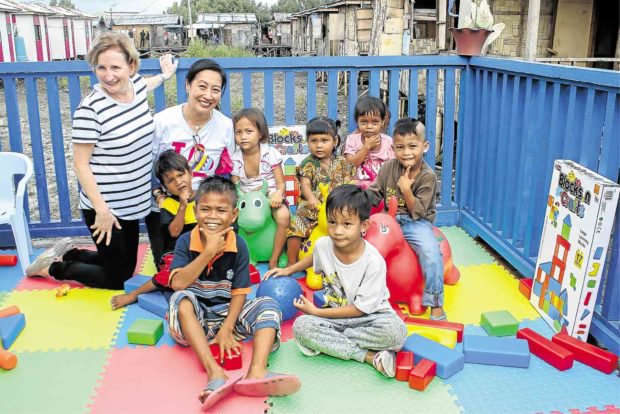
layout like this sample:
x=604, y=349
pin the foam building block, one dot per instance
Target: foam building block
x=318, y=299
x=457, y=327
x=254, y=275
x=11, y=310
x=588, y=354
x=135, y=282
x=550, y=352
x=499, y=323
x=8, y=360
x=525, y=287
x=490, y=350
x=154, y=302
x=422, y=374
x=404, y=364
x=145, y=332
x=10, y=328
x=449, y=361
x=8, y=260
x=229, y=364
x=444, y=337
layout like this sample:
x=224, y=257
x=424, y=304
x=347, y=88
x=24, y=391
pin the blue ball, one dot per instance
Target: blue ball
x=283, y=290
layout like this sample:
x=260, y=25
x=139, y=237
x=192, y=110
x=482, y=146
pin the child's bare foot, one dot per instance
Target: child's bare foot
x=123, y=300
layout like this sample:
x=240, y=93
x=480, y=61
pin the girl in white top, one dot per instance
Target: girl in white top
x=255, y=161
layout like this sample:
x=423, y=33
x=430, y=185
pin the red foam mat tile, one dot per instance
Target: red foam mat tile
x=163, y=380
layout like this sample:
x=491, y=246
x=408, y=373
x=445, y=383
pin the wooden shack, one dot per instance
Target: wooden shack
x=280, y=29
x=149, y=31
x=232, y=29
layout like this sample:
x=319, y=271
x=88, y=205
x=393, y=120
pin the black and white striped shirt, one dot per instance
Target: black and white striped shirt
x=121, y=161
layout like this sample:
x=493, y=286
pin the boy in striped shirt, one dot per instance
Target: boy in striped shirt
x=210, y=277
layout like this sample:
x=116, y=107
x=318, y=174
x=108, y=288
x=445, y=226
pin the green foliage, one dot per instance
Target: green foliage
x=67, y=4
x=199, y=49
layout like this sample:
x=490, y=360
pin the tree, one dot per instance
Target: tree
x=294, y=6
x=67, y=4
x=53, y=3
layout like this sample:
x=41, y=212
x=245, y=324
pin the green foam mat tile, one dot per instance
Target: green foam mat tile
x=51, y=382
x=336, y=386
x=465, y=250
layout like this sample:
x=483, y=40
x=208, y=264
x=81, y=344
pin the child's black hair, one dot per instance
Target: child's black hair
x=205, y=64
x=409, y=126
x=368, y=105
x=323, y=125
x=351, y=198
x=169, y=160
x=220, y=185
x=256, y=117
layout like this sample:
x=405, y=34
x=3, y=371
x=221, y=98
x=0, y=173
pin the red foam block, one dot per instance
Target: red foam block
x=453, y=326
x=422, y=374
x=404, y=365
x=8, y=260
x=525, y=287
x=550, y=352
x=229, y=364
x=588, y=354
x=254, y=275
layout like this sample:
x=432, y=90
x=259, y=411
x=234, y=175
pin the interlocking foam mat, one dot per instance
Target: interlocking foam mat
x=74, y=358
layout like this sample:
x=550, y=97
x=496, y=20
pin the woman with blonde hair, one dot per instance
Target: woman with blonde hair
x=112, y=138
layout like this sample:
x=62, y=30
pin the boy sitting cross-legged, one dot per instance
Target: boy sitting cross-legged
x=358, y=322
x=210, y=276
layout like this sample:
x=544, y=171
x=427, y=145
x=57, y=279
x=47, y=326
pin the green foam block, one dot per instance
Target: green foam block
x=145, y=332
x=499, y=323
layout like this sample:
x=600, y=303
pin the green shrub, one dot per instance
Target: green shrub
x=199, y=49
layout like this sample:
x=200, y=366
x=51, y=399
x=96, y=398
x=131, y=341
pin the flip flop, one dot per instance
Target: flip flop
x=271, y=385
x=219, y=389
x=388, y=363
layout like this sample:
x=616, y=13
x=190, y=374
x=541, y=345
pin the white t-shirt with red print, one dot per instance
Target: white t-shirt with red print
x=202, y=150
x=270, y=159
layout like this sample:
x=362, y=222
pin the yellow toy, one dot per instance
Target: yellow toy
x=62, y=290
x=314, y=281
x=443, y=337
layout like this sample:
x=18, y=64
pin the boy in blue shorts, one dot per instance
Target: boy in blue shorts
x=414, y=184
x=210, y=277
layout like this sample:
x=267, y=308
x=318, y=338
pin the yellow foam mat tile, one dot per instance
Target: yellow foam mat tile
x=81, y=320
x=485, y=288
x=148, y=266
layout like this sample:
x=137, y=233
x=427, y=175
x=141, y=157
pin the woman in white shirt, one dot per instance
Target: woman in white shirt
x=198, y=131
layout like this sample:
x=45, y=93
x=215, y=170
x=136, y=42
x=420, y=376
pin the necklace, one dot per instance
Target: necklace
x=195, y=127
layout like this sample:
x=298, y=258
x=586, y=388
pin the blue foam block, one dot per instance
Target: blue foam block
x=448, y=361
x=135, y=282
x=10, y=328
x=154, y=302
x=491, y=350
x=319, y=299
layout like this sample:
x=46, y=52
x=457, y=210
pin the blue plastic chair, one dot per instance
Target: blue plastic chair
x=12, y=201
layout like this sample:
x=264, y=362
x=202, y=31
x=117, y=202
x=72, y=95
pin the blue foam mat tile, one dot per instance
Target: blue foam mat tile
x=133, y=313
x=12, y=275
x=487, y=389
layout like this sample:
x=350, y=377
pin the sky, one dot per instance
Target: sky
x=137, y=6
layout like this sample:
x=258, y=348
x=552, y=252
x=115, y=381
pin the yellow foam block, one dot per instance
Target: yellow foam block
x=81, y=320
x=484, y=288
x=148, y=266
x=444, y=337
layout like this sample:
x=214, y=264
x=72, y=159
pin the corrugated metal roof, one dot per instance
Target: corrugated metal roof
x=226, y=18
x=6, y=6
x=143, y=19
x=282, y=17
